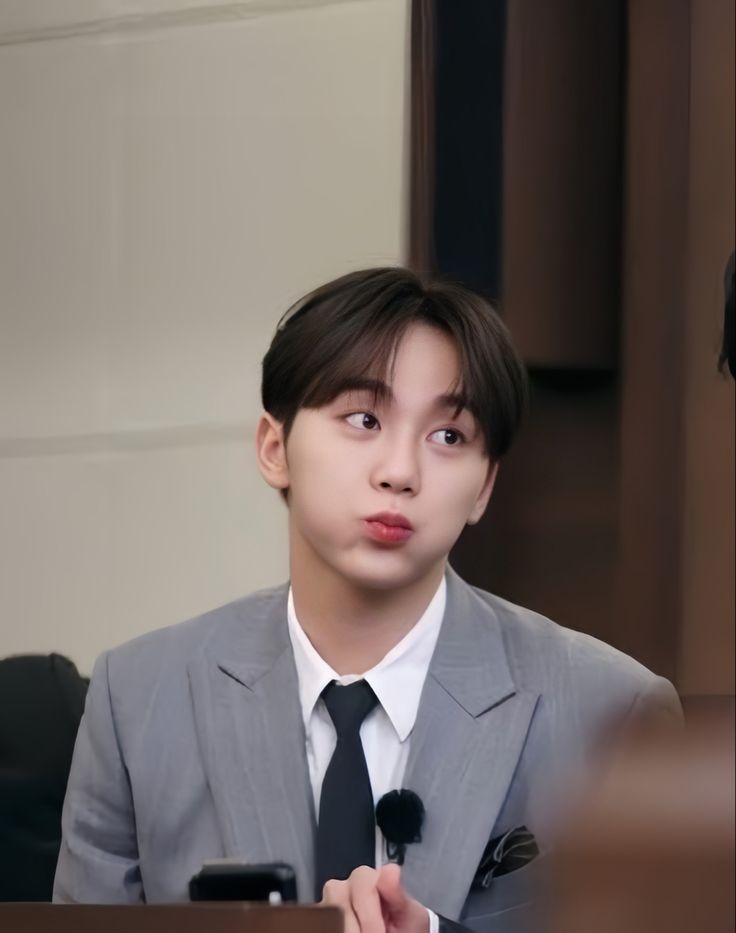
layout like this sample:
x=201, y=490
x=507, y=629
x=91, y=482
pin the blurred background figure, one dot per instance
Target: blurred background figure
x=651, y=849
x=728, y=347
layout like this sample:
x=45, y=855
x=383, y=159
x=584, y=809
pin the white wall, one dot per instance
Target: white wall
x=172, y=175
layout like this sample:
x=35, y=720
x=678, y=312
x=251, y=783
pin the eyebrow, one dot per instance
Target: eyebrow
x=384, y=394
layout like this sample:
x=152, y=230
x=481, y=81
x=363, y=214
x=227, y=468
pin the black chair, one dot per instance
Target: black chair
x=41, y=703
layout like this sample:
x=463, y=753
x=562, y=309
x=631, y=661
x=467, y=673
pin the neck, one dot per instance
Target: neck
x=352, y=627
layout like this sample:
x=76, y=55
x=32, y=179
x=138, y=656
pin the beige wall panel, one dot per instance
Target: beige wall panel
x=256, y=161
x=166, y=192
x=165, y=197
x=31, y=20
x=99, y=547
x=56, y=236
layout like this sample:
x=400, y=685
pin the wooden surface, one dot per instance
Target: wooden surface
x=549, y=537
x=654, y=290
x=180, y=918
x=614, y=512
x=706, y=647
x=561, y=171
x=676, y=584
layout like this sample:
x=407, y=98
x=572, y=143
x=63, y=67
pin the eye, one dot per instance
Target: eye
x=362, y=419
x=449, y=437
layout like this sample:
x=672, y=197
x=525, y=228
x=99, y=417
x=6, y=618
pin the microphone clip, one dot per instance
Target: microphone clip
x=400, y=815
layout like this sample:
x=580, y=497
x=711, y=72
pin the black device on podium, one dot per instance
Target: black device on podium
x=231, y=880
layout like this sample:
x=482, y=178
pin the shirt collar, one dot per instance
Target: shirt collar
x=397, y=680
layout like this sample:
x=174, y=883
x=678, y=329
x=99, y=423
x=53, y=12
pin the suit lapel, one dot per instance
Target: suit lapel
x=469, y=734
x=251, y=734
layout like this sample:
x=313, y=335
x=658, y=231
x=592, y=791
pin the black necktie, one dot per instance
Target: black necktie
x=346, y=831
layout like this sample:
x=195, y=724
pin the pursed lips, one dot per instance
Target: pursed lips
x=389, y=528
x=391, y=519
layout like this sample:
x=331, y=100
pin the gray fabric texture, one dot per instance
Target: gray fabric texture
x=192, y=747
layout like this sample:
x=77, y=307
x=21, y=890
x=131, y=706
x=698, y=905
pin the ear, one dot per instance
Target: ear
x=271, y=452
x=485, y=494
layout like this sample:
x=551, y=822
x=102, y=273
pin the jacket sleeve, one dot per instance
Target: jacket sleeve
x=98, y=859
x=660, y=702
x=451, y=926
x=658, y=705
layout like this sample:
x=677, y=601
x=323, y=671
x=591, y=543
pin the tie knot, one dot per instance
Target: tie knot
x=348, y=706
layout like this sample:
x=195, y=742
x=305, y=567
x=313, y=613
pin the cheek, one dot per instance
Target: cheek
x=457, y=494
x=322, y=483
x=326, y=468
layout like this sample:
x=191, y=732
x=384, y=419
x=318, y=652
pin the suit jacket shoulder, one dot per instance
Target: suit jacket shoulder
x=548, y=656
x=209, y=631
x=236, y=629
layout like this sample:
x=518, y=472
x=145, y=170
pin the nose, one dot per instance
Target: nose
x=398, y=468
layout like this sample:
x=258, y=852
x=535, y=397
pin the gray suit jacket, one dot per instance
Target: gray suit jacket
x=192, y=747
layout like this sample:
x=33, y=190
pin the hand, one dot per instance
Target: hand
x=374, y=902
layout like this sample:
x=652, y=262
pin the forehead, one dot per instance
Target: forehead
x=422, y=373
x=423, y=362
x=425, y=354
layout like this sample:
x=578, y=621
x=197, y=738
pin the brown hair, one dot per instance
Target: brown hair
x=347, y=330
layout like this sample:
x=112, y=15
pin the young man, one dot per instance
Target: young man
x=269, y=728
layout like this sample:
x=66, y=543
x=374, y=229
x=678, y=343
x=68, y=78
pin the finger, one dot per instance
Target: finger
x=365, y=900
x=400, y=911
x=337, y=894
x=394, y=899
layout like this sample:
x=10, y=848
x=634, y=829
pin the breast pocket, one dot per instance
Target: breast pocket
x=505, y=893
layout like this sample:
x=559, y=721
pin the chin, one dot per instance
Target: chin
x=383, y=574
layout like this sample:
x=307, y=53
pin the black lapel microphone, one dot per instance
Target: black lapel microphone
x=399, y=815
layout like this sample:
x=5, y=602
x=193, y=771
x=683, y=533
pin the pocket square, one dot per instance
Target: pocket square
x=504, y=854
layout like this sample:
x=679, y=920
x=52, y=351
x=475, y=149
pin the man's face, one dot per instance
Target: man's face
x=409, y=456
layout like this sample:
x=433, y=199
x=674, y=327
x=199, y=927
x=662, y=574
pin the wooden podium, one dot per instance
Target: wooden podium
x=200, y=917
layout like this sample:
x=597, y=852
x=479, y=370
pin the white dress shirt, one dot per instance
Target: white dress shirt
x=397, y=680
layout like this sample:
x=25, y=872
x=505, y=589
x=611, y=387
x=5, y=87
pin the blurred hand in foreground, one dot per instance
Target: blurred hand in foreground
x=374, y=901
